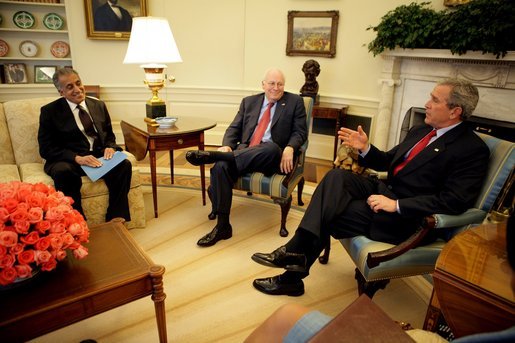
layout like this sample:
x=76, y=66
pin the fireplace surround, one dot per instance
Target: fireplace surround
x=408, y=76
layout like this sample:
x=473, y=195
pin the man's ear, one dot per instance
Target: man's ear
x=456, y=112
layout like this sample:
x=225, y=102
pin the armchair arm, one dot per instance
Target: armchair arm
x=298, y=160
x=435, y=221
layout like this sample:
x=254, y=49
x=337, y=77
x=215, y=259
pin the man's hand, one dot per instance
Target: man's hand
x=354, y=139
x=287, y=160
x=108, y=153
x=88, y=160
x=380, y=202
x=225, y=148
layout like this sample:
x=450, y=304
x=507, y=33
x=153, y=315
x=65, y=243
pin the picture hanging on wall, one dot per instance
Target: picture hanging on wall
x=113, y=19
x=312, y=33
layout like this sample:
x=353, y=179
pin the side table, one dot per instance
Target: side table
x=332, y=111
x=473, y=281
x=187, y=132
x=115, y=273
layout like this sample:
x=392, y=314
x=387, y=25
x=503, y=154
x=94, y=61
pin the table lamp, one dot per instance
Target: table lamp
x=151, y=45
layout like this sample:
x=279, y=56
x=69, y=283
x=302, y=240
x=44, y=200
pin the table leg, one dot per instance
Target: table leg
x=202, y=171
x=159, y=296
x=152, y=155
x=171, y=165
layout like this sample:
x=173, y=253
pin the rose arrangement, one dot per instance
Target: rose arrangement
x=37, y=226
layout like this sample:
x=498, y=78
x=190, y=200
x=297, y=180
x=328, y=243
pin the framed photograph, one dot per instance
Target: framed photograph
x=112, y=19
x=312, y=33
x=15, y=73
x=43, y=74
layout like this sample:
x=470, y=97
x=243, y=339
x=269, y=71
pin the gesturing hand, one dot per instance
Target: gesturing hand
x=354, y=139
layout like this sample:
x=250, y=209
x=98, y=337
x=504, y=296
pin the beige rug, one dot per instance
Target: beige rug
x=210, y=297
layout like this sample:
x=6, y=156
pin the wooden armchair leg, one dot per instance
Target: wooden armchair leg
x=300, y=189
x=369, y=287
x=285, y=208
x=324, y=258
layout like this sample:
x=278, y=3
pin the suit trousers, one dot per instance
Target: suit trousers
x=67, y=179
x=264, y=158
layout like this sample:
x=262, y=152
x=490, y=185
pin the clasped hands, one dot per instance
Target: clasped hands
x=92, y=161
x=359, y=140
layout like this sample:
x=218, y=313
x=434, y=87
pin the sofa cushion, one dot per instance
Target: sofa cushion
x=23, y=122
x=8, y=173
x=6, y=150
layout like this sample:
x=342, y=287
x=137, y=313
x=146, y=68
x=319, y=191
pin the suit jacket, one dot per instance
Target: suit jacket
x=106, y=20
x=446, y=177
x=288, y=125
x=59, y=137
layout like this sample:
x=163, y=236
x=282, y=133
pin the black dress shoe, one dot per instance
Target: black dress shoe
x=217, y=234
x=275, y=286
x=280, y=258
x=199, y=157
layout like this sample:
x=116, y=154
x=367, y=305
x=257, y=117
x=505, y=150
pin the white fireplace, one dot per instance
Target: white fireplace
x=408, y=76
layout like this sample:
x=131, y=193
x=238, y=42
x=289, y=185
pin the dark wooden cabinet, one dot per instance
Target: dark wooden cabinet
x=332, y=111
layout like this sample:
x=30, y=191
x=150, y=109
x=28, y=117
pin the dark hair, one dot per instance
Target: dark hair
x=463, y=94
x=62, y=72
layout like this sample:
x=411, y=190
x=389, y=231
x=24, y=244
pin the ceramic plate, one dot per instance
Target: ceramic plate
x=29, y=48
x=4, y=48
x=24, y=20
x=53, y=21
x=60, y=49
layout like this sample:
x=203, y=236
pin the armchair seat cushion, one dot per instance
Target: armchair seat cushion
x=269, y=185
x=414, y=262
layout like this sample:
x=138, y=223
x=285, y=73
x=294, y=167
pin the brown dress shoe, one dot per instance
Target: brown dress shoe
x=280, y=258
x=217, y=234
x=275, y=286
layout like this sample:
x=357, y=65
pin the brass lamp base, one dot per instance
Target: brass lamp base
x=156, y=110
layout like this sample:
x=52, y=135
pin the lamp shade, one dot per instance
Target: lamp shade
x=151, y=42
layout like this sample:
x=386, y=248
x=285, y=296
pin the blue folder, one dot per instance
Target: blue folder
x=95, y=173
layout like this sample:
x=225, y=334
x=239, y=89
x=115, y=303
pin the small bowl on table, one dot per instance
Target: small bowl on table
x=166, y=122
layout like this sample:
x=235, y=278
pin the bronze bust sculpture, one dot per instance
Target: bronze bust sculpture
x=311, y=70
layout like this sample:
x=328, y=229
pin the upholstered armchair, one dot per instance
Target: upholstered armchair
x=279, y=186
x=377, y=262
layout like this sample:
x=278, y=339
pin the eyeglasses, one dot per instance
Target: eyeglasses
x=273, y=84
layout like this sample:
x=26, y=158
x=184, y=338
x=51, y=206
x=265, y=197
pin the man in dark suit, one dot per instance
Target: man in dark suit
x=444, y=177
x=267, y=131
x=66, y=143
x=112, y=17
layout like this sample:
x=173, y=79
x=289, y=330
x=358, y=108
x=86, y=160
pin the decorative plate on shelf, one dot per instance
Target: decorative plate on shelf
x=60, y=49
x=4, y=48
x=29, y=48
x=53, y=21
x=24, y=19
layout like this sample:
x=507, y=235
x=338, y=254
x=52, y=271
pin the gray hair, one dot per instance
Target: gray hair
x=463, y=94
x=62, y=72
x=271, y=70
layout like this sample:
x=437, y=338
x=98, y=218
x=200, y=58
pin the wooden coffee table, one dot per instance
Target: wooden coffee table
x=188, y=132
x=115, y=273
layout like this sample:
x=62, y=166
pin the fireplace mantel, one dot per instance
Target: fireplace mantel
x=408, y=76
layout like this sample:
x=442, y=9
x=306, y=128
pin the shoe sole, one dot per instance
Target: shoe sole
x=290, y=267
x=292, y=294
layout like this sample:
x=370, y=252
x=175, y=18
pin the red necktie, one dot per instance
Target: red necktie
x=414, y=152
x=261, y=127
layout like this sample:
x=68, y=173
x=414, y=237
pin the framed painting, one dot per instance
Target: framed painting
x=15, y=73
x=312, y=33
x=112, y=19
x=43, y=74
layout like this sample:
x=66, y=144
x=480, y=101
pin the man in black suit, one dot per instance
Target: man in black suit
x=444, y=177
x=267, y=131
x=66, y=143
x=112, y=17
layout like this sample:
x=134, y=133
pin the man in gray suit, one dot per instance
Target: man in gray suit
x=267, y=131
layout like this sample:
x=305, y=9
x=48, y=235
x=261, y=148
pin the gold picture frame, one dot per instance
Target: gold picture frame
x=103, y=23
x=312, y=33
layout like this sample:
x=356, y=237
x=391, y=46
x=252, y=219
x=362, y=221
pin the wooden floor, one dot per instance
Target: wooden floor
x=210, y=297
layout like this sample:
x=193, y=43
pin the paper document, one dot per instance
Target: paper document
x=95, y=173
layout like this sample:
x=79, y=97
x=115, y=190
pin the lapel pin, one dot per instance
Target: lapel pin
x=436, y=149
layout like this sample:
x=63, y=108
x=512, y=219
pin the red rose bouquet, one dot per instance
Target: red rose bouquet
x=37, y=226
